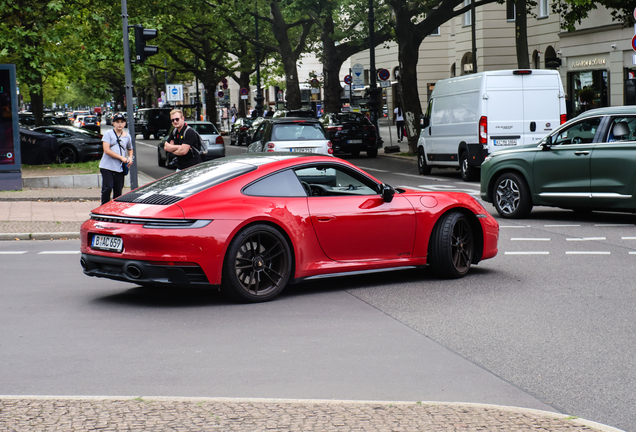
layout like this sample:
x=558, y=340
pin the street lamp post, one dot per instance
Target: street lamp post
x=373, y=85
x=258, y=109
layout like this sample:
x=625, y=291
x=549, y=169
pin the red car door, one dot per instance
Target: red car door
x=363, y=227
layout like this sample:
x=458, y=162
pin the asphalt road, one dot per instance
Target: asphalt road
x=547, y=323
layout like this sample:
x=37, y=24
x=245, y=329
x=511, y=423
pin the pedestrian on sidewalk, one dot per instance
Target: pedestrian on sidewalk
x=181, y=140
x=398, y=120
x=118, y=150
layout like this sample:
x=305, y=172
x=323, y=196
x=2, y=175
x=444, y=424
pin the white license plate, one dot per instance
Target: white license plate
x=505, y=142
x=302, y=150
x=355, y=141
x=109, y=243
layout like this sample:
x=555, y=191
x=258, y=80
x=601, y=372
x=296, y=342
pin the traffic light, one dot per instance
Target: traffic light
x=143, y=51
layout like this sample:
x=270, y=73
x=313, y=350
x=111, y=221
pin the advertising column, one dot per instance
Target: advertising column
x=10, y=156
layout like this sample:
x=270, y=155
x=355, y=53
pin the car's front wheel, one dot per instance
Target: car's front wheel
x=469, y=173
x=451, y=248
x=257, y=265
x=511, y=196
x=422, y=166
x=67, y=155
x=160, y=161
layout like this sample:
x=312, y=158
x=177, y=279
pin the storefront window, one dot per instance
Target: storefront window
x=588, y=90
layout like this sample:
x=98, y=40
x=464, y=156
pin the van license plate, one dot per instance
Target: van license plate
x=505, y=142
x=108, y=243
x=303, y=150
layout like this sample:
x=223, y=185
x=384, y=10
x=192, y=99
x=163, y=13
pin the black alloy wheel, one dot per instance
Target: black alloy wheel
x=469, y=173
x=67, y=154
x=452, y=246
x=511, y=196
x=258, y=264
x=422, y=166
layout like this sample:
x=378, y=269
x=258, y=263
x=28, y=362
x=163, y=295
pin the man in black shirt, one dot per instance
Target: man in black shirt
x=181, y=141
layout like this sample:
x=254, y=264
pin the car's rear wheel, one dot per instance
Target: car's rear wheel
x=67, y=155
x=511, y=196
x=355, y=153
x=451, y=247
x=469, y=173
x=422, y=166
x=372, y=152
x=257, y=265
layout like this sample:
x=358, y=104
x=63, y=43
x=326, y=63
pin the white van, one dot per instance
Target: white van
x=470, y=116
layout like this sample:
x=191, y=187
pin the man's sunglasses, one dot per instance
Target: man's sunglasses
x=175, y=120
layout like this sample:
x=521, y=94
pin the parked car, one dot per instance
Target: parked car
x=26, y=120
x=567, y=168
x=75, y=114
x=350, y=133
x=152, y=121
x=109, y=118
x=240, y=130
x=91, y=123
x=56, y=119
x=470, y=116
x=74, y=144
x=290, y=134
x=251, y=224
x=210, y=135
x=305, y=113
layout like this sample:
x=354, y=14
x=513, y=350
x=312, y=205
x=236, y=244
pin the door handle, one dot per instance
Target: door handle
x=579, y=153
x=324, y=218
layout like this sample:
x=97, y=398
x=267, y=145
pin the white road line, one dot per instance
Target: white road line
x=514, y=226
x=628, y=238
x=555, y=226
x=12, y=252
x=146, y=144
x=529, y=239
x=408, y=175
x=632, y=252
x=59, y=252
x=587, y=253
x=373, y=169
x=585, y=239
x=613, y=225
x=528, y=253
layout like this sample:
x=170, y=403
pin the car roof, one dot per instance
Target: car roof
x=619, y=110
x=293, y=120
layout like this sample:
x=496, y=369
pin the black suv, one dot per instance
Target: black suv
x=351, y=133
x=152, y=121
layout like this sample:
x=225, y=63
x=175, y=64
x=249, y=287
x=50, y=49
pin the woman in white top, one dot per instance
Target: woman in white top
x=398, y=120
x=118, y=149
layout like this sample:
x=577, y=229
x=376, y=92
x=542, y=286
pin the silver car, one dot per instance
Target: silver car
x=290, y=134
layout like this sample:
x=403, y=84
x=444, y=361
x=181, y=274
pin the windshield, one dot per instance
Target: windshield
x=297, y=131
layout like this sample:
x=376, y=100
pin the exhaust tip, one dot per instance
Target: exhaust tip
x=133, y=271
x=83, y=263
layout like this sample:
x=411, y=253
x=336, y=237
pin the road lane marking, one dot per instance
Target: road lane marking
x=58, y=252
x=514, y=226
x=408, y=175
x=529, y=239
x=587, y=253
x=555, y=226
x=528, y=253
x=373, y=169
x=585, y=239
x=12, y=252
x=613, y=225
x=628, y=238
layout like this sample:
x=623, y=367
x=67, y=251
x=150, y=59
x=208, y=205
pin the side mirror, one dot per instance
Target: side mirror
x=387, y=192
x=547, y=144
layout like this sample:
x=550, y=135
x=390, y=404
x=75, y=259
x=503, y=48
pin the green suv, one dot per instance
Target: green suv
x=588, y=163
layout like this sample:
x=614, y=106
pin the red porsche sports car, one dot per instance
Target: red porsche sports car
x=253, y=223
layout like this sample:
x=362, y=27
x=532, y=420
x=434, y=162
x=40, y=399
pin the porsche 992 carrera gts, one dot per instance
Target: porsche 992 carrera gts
x=253, y=223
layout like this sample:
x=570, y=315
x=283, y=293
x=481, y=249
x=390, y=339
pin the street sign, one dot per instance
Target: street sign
x=384, y=74
x=220, y=94
x=224, y=80
x=174, y=92
x=224, y=86
x=244, y=96
x=244, y=91
x=384, y=84
x=357, y=75
x=347, y=79
x=315, y=83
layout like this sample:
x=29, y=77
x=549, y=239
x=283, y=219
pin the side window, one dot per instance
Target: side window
x=258, y=135
x=282, y=184
x=622, y=129
x=580, y=133
x=329, y=180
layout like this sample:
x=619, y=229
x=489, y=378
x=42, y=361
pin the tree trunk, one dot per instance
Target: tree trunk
x=244, y=82
x=37, y=100
x=521, y=34
x=331, y=64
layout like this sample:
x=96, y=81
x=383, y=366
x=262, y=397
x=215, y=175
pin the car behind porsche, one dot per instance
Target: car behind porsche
x=253, y=223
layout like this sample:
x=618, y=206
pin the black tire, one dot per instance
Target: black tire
x=511, y=196
x=355, y=153
x=232, y=141
x=67, y=154
x=422, y=166
x=372, y=152
x=257, y=265
x=469, y=173
x=452, y=246
x=160, y=161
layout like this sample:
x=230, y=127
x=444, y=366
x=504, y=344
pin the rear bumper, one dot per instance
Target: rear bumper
x=143, y=272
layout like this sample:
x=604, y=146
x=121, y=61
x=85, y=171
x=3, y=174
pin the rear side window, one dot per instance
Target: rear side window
x=622, y=129
x=297, y=132
x=349, y=117
x=281, y=184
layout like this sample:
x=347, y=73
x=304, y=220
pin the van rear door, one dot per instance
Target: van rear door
x=542, y=100
x=505, y=102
